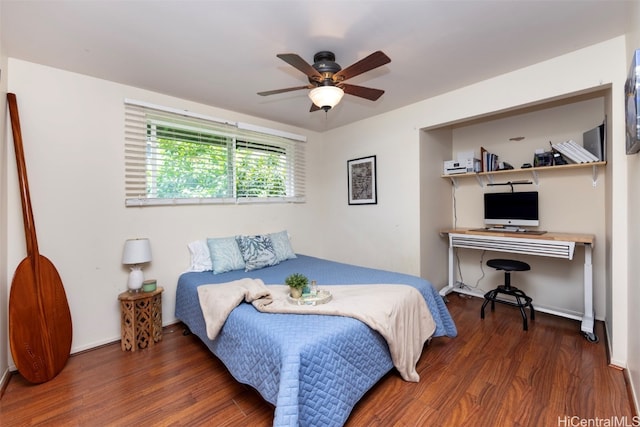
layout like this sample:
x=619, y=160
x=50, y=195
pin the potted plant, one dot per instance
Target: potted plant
x=296, y=283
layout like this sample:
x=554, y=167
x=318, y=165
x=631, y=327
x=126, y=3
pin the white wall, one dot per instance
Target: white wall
x=384, y=235
x=73, y=131
x=436, y=204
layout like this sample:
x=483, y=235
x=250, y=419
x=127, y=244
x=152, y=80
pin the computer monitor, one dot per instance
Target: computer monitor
x=515, y=209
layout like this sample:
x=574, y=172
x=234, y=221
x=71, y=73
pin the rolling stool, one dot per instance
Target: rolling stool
x=522, y=300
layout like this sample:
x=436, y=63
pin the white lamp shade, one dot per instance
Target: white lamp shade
x=136, y=251
x=326, y=96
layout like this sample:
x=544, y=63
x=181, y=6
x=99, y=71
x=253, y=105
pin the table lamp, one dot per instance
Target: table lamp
x=136, y=252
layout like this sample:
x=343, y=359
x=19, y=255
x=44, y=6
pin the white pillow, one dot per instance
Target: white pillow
x=200, y=256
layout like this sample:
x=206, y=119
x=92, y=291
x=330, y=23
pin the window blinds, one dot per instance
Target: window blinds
x=178, y=157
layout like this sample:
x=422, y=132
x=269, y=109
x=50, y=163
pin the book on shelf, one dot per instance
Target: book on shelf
x=583, y=152
x=574, y=152
x=489, y=160
x=567, y=152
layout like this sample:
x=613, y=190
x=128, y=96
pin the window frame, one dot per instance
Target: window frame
x=139, y=115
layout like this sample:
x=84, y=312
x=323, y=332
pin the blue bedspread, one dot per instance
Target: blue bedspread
x=312, y=368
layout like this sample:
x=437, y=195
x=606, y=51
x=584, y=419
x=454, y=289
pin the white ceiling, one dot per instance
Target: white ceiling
x=221, y=53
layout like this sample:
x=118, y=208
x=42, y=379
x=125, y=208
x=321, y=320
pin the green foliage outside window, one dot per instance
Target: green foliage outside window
x=192, y=164
x=259, y=176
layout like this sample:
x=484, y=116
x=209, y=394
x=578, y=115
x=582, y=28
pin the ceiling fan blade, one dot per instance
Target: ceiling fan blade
x=297, y=62
x=375, y=60
x=313, y=108
x=361, y=91
x=289, y=89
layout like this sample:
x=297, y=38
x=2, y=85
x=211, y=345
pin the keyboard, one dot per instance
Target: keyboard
x=511, y=230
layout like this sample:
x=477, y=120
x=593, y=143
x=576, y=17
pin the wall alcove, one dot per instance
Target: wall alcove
x=572, y=198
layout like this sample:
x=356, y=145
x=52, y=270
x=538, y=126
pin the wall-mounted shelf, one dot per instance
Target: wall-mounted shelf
x=481, y=177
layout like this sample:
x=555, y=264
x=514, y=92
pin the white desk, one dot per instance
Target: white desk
x=557, y=245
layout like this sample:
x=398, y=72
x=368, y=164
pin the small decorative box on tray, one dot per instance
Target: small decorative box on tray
x=322, y=297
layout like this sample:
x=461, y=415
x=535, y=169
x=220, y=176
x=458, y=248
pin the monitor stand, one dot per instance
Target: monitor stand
x=510, y=229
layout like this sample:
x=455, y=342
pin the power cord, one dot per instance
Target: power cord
x=461, y=283
x=455, y=206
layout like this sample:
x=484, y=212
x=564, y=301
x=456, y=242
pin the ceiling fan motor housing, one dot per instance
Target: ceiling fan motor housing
x=324, y=63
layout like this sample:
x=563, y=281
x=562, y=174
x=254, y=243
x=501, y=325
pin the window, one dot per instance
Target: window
x=178, y=157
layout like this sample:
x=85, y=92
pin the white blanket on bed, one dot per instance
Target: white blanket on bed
x=398, y=312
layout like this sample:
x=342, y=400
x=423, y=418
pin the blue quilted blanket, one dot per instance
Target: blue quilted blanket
x=312, y=368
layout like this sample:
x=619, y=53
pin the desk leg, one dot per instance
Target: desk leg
x=587, y=326
x=447, y=289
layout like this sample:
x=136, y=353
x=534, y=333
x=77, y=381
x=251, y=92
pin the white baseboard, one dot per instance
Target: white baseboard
x=4, y=380
x=94, y=344
x=116, y=338
x=612, y=361
x=634, y=394
x=543, y=309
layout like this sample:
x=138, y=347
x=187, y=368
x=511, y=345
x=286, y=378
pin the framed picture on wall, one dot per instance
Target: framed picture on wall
x=361, y=175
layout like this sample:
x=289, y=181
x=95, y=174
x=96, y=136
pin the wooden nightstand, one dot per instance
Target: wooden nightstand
x=141, y=321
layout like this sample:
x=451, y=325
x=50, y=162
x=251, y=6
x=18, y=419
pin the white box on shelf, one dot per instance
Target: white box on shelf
x=461, y=166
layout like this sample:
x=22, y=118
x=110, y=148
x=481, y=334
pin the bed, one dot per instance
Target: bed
x=313, y=373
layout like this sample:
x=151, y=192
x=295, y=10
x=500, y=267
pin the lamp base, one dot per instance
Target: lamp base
x=136, y=278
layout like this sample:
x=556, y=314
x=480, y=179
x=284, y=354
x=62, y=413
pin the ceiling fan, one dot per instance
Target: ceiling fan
x=326, y=78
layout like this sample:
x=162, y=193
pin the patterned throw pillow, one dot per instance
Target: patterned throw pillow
x=257, y=251
x=225, y=254
x=282, y=245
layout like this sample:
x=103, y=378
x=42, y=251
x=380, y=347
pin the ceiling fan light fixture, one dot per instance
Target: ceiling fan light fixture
x=326, y=97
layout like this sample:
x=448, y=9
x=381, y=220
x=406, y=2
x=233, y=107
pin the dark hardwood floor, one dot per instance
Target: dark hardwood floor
x=492, y=374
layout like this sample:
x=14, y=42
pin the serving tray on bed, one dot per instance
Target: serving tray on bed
x=322, y=297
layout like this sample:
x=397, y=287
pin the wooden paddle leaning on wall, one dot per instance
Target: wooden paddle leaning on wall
x=40, y=329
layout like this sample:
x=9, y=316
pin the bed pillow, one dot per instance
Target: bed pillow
x=257, y=251
x=200, y=256
x=225, y=254
x=282, y=246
